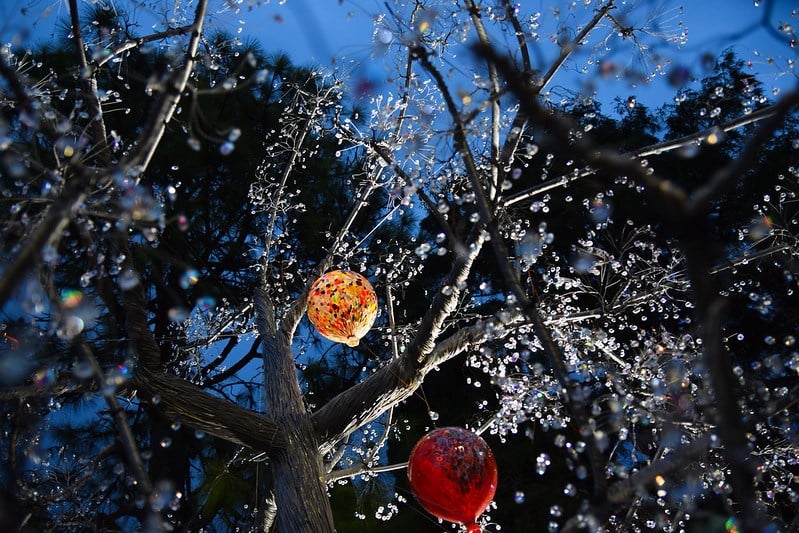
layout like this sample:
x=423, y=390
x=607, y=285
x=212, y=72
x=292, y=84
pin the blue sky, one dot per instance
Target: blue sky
x=322, y=31
x=317, y=30
x=339, y=34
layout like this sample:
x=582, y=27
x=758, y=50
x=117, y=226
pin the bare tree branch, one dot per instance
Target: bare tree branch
x=181, y=401
x=89, y=84
x=137, y=42
x=710, y=310
x=568, y=48
x=154, y=129
x=654, y=149
x=79, y=185
x=671, y=197
x=126, y=437
x=394, y=382
x=510, y=12
x=245, y=359
x=482, y=35
x=725, y=178
x=364, y=469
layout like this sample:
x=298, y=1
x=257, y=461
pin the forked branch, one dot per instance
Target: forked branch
x=397, y=380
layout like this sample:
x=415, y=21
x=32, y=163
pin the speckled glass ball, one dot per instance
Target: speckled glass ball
x=342, y=306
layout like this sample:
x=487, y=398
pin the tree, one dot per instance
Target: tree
x=616, y=318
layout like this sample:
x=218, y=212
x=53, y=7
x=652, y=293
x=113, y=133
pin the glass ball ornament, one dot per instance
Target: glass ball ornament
x=342, y=306
x=453, y=475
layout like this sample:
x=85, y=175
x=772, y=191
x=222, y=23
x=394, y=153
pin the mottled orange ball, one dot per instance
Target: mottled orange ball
x=342, y=306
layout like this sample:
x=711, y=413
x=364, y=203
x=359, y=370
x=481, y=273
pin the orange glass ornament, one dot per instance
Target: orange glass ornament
x=342, y=306
x=453, y=474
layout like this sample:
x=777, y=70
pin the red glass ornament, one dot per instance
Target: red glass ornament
x=453, y=475
x=342, y=306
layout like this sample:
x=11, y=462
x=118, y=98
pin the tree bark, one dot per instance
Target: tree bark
x=299, y=487
x=185, y=402
x=300, y=492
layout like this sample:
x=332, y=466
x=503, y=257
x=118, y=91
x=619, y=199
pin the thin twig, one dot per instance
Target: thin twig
x=567, y=49
x=358, y=470
x=647, y=151
x=725, y=178
x=89, y=85
x=129, y=44
x=123, y=427
x=392, y=325
x=493, y=77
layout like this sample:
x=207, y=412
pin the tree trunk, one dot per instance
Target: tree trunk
x=300, y=493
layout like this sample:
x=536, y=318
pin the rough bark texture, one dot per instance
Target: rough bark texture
x=387, y=387
x=400, y=378
x=182, y=401
x=300, y=492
